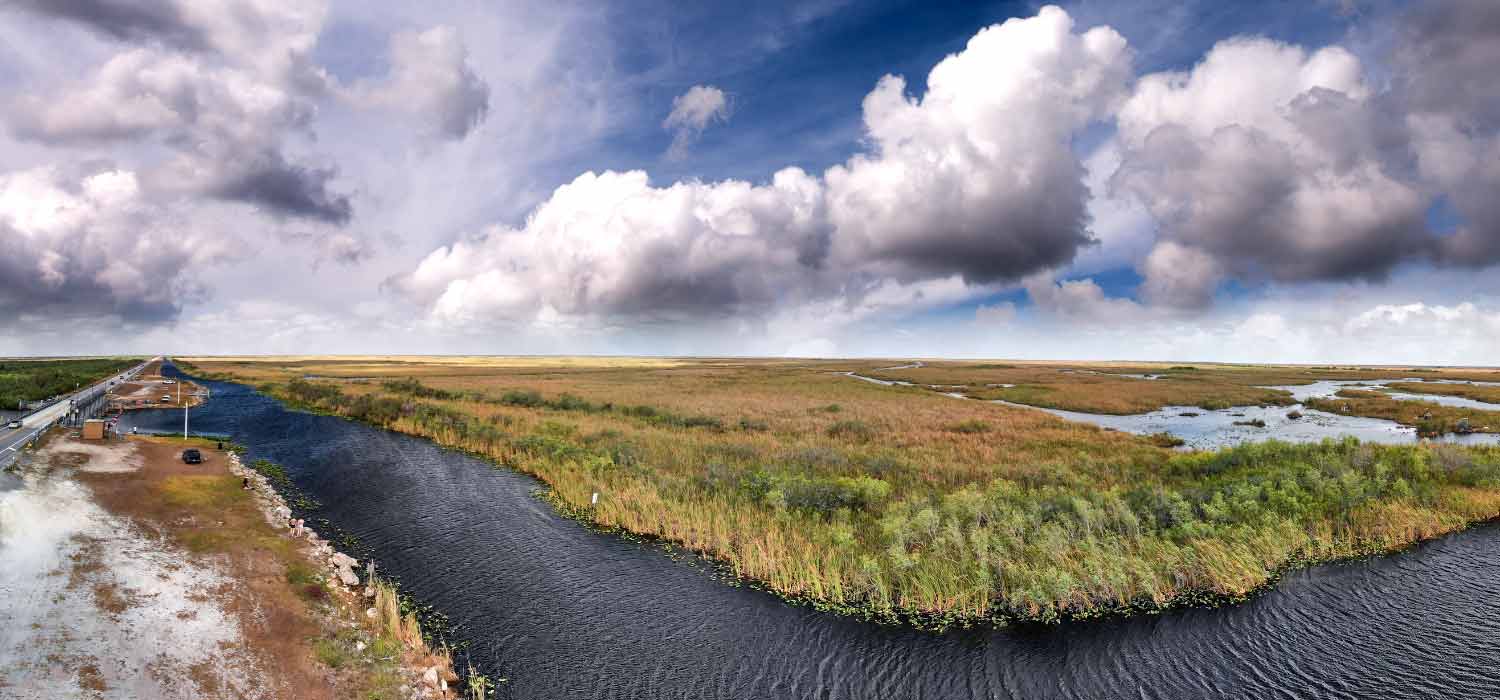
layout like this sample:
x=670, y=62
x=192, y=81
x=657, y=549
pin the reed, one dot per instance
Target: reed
x=402, y=630
x=899, y=506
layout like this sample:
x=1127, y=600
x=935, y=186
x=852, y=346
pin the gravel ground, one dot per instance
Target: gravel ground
x=93, y=608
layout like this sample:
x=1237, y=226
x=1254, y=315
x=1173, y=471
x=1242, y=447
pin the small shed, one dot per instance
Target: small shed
x=94, y=429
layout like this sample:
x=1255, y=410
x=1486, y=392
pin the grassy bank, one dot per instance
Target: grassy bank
x=901, y=504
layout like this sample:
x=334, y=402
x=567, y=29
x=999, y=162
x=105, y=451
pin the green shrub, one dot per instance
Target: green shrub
x=569, y=402
x=300, y=574
x=851, y=430
x=412, y=387
x=330, y=653
x=524, y=399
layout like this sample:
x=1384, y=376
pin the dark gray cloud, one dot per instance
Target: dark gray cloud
x=92, y=245
x=1244, y=196
x=464, y=107
x=1446, y=54
x=25, y=292
x=981, y=224
x=283, y=189
x=125, y=20
x=1446, y=58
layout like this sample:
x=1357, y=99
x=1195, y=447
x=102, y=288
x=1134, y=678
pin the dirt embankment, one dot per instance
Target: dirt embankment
x=154, y=391
x=131, y=574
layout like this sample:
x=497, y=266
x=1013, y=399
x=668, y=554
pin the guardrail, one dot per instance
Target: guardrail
x=9, y=454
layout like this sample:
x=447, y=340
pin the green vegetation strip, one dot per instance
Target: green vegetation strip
x=1430, y=419
x=34, y=380
x=1477, y=392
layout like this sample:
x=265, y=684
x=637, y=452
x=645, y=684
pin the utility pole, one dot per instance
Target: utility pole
x=184, y=409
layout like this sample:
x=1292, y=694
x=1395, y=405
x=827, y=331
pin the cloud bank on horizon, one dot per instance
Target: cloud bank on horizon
x=1330, y=202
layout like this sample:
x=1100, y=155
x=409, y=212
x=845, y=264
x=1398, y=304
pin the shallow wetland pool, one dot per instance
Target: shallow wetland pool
x=1204, y=429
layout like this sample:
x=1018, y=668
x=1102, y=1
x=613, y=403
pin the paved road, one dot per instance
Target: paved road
x=12, y=440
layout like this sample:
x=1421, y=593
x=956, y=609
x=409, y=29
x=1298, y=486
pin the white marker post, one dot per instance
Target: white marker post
x=595, y=502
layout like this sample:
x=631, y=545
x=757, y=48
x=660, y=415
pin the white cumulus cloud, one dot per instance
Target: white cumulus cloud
x=971, y=184
x=692, y=112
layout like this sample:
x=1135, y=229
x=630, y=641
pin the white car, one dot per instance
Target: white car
x=14, y=425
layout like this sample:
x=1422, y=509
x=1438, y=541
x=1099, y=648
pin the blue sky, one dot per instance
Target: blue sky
x=1199, y=180
x=797, y=86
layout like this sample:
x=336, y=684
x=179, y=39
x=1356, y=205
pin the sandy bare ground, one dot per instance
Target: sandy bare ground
x=93, y=457
x=93, y=607
x=154, y=390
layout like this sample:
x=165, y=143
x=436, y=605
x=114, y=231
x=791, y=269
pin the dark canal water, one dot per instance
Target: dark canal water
x=562, y=612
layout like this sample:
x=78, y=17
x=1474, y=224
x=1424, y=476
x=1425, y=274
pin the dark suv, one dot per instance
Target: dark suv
x=192, y=457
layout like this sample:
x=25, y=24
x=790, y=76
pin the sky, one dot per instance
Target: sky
x=1278, y=181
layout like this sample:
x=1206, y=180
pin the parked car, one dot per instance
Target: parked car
x=192, y=456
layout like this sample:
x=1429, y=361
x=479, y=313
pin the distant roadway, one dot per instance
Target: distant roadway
x=13, y=439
